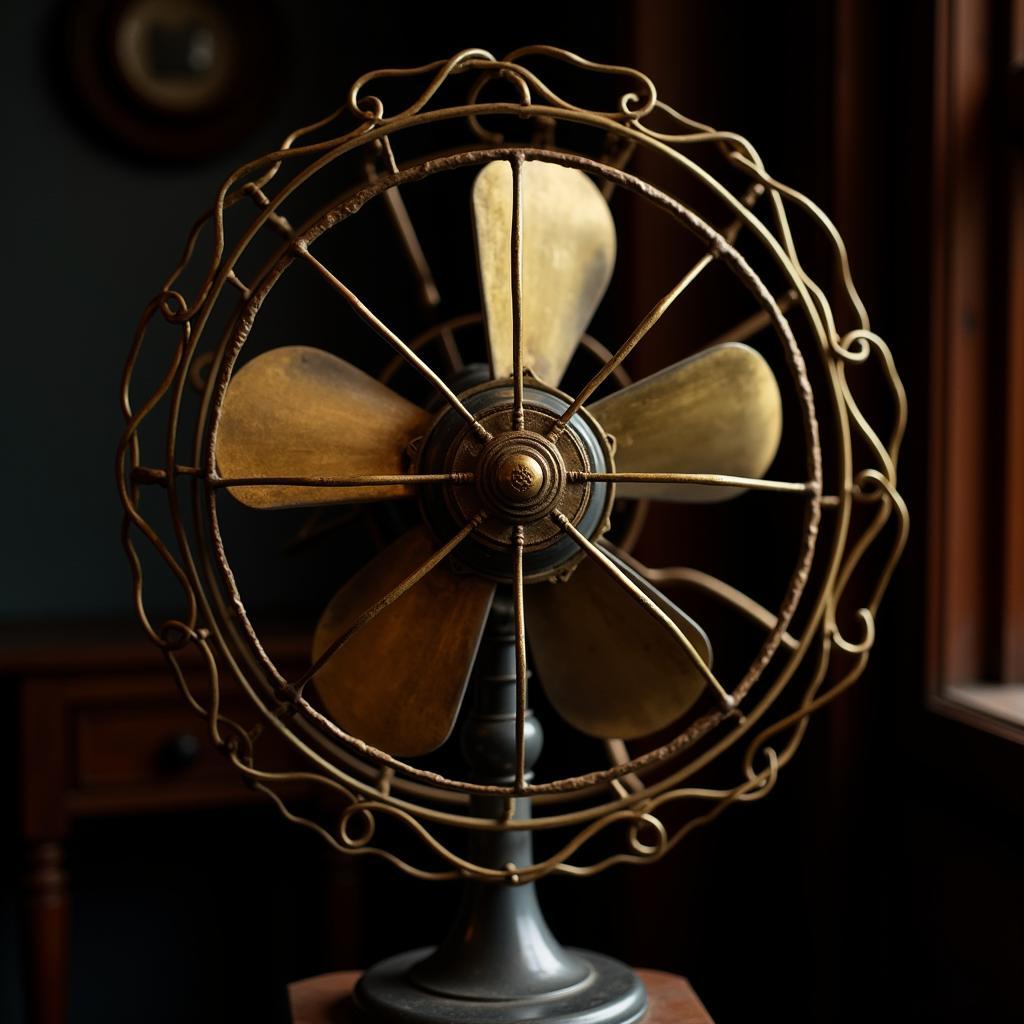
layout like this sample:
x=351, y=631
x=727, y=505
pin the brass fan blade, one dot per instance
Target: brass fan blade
x=398, y=682
x=609, y=667
x=719, y=411
x=302, y=412
x=568, y=249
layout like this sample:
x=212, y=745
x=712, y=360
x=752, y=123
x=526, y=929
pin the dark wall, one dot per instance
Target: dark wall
x=881, y=880
x=94, y=232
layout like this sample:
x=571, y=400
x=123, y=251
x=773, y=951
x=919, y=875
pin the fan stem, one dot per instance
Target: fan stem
x=500, y=945
x=500, y=963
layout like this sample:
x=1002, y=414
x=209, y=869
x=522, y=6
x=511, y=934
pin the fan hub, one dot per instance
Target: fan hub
x=521, y=477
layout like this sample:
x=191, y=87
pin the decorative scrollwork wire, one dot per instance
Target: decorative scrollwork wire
x=649, y=798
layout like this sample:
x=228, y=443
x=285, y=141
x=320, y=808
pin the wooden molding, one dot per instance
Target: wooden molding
x=976, y=458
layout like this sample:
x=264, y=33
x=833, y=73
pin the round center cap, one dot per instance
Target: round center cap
x=519, y=476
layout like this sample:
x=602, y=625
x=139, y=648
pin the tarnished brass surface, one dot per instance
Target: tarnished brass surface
x=719, y=411
x=819, y=633
x=497, y=465
x=302, y=412
x=519, y=476
x=397, y=683
x=487, y=494
x=568, y=252
x=609, y=667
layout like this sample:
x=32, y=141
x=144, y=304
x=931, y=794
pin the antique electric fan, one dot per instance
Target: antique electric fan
x=509, y=491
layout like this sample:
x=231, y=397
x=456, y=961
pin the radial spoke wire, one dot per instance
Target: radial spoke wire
x=392, y=339
x=645, y=325
x=516, y=259
x=652, y=317
x=521, y=671
x=387, y=600
x=347, y=481
x=723, y=591
x=398, y=213
x=753, y=483
x=755, y=323
x=623, y=580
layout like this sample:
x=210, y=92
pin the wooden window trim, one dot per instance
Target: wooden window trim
x=976, y=543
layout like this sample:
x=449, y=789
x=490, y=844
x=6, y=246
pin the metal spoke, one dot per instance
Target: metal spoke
x=753, y=483
x=392, y=339
x=623, y=580
x=430, y=296
x=725, y=592
x=442, y=331
x=347, y=481
x=516, y=258
x=384, y=779
x=277, y=221
x=521, y=677
x=618, y=753
x=652, y=317
x=757, y=322
x=387, y=600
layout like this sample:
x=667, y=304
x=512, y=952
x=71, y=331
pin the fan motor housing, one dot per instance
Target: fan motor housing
x=521, y=478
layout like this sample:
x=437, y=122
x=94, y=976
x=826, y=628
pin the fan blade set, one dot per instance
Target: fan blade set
x=393, y=670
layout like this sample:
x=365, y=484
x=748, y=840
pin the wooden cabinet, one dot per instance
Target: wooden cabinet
x=103, y=730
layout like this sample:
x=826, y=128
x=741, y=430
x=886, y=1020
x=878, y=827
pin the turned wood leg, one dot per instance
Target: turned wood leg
x=47, y=927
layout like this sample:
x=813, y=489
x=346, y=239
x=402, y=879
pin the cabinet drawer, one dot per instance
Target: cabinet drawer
x=113, y=735
x=144, y=744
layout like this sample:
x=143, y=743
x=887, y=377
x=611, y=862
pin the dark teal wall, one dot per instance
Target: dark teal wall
x=92, y=234
x=887, y=863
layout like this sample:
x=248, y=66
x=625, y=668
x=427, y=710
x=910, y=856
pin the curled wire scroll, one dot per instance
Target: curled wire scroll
x=201, y=631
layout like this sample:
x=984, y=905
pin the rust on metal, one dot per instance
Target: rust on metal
x=545, y=246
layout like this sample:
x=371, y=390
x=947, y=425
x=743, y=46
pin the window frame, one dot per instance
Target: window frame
x=975, y=635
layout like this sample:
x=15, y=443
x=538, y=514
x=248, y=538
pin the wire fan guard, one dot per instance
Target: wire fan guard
x=644, y=798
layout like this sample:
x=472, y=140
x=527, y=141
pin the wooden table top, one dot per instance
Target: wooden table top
x=326, y=999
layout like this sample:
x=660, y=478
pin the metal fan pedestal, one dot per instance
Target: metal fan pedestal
x=500, y=963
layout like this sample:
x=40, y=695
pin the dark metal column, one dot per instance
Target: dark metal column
x=500, y=963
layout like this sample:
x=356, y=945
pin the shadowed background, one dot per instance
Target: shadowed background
x=887, y=860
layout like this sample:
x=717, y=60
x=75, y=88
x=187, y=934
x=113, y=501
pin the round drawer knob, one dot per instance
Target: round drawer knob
x=180, y=752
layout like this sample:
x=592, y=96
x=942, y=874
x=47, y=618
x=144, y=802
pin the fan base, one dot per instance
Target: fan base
x=611, y=994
